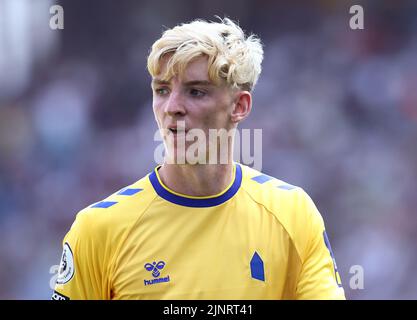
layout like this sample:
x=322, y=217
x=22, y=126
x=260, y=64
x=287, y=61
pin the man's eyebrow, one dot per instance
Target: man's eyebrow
x=188, y=83
x=158, y=81
x=198, y=83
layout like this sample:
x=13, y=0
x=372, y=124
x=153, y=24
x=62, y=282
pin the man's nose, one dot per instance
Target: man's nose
x=175, y=104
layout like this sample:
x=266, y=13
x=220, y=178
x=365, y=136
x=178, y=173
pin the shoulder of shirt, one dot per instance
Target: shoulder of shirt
x=118, y=213
x=290, y=205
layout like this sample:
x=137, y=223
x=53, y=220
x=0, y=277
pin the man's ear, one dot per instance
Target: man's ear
x=242, y=106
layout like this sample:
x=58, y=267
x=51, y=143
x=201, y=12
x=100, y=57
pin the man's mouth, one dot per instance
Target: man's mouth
x=177, y=130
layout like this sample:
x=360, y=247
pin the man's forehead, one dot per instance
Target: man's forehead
x=195, y=70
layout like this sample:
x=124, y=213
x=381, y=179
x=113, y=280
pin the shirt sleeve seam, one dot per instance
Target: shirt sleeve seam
x=115, y=256
x=276, y=218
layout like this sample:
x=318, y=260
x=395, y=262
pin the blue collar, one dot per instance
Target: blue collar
x=196, y=202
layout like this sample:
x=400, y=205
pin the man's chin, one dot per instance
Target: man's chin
x=184, y=159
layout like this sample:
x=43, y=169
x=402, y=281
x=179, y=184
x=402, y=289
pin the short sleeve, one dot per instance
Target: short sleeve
x=81, y=273
x=319, y=277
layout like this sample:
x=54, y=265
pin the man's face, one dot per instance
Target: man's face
x=192, y=100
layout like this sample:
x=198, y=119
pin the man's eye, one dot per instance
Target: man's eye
x=197, y=93
x=161, y=91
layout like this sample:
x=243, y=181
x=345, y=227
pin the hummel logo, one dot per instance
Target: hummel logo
x=155, y=267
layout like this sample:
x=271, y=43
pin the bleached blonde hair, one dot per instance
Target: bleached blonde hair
x=232, y=57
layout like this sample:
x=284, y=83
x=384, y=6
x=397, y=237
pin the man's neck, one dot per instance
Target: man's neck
x=197, y=180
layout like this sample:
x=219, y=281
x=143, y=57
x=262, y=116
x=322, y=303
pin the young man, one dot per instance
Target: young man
x=205, y=228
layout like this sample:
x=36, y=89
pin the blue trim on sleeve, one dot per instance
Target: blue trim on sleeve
x=104, y=204
x=129, y=192
x=197, y=203
x=286, y=187
x=262, y=178
x=329, y=247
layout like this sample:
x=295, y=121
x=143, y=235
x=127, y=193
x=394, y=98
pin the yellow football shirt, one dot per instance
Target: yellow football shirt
x=260, y=238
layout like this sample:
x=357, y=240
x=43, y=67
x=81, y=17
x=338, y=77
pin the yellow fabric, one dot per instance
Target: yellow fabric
x=203, y=253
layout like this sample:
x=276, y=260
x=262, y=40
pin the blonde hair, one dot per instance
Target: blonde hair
x=232, y=57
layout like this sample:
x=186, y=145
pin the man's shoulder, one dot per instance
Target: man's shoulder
x=282, y=199
x=289, y=204
x=263, y=185
x=120, y=209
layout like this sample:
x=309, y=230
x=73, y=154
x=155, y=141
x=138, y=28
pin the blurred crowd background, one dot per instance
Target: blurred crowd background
x=338, y=109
